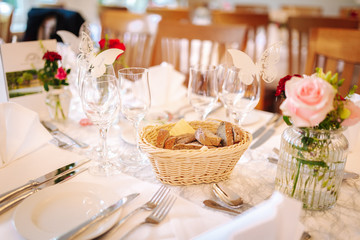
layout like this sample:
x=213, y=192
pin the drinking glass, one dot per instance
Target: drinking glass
x=239, y=96
x=101, y=103
x=203, y=89
x=135, y=103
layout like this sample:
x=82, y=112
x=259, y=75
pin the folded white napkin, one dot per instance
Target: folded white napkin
x=21, y=132
x=166, y=85
x=276, y=218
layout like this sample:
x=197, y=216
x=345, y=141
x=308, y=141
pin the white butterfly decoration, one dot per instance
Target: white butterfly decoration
x=265, y=68
x=97, y=64
x=71, y=39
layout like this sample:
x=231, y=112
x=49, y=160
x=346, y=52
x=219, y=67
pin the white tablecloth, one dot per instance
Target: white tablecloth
x=253, y=178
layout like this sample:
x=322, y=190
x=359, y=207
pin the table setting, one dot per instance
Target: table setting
x=100, y=185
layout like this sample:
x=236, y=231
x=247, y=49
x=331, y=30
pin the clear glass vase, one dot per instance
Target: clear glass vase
x=58, y=101
x=311, y=166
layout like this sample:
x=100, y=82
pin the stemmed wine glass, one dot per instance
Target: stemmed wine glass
x=203, y=89
x=240, y=96
x=135, y=103
x=101, y=103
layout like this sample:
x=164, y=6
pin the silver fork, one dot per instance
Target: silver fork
x=160, y=194
x=157, y=215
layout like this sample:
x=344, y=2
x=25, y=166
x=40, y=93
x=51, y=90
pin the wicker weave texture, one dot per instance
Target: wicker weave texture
x=186, y=167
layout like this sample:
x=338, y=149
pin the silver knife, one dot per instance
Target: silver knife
x=97, y=217
x=54, y=129
x=267, y=134
x=12, y=202
x=261, y=129
x=43, y=179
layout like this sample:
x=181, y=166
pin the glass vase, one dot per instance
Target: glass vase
x=311, y=166
x=58, y=101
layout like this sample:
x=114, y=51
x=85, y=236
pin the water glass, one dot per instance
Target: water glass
x=135, y=103
x=203, y=89
x=101, y=103
x=239, y=96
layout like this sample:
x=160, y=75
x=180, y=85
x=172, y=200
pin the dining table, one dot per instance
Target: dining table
x=253, y=178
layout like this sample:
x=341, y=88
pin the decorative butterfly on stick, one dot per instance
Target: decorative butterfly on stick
x=96, y=63
x=264, y=68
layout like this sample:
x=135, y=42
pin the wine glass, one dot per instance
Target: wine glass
x=101, y=103
x=203, y=89
x=239, y=94
x=135, y=103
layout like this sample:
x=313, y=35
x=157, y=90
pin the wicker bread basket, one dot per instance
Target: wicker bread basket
x=186, y=167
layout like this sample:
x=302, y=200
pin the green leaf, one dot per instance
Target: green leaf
x=46, y=86
x=313, y=163
x=287, y=120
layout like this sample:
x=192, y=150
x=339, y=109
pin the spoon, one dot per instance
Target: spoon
x=215, y=205
x=227, y=195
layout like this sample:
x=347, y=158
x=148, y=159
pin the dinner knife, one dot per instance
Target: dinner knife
x=43, y=179
x=261, y=129
x=63, y=178
x=97, y=217
x=54, y=129
x=267, y=134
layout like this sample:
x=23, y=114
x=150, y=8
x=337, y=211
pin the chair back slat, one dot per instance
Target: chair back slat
x=340, y=49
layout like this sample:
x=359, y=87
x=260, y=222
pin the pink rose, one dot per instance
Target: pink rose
x=61, y=74
x=308, y=100
x=354, y=114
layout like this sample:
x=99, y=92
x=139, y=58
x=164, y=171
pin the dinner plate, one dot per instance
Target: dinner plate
x=58, y=209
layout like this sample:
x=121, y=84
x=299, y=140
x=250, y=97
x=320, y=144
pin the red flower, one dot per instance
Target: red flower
x=61, y=74
x=112, y=43
x=51, y=56
x=280, y=89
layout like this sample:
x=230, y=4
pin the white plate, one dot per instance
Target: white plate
x=58, y=209
x=251, y=118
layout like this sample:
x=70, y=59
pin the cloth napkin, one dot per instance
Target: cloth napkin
x=166, y=85
x=21, y=132
x=274, y=219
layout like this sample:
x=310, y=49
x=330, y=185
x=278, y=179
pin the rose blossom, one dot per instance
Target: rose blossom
x=308, y=100
x=51, y=56
x=354, y=114
x=113, y=43
x=61, y=74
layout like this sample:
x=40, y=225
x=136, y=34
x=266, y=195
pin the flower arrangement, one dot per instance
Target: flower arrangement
x=52, y=74
x=314, y=101
x=106, y=43
x=313, y=154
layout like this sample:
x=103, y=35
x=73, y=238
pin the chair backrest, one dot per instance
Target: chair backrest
x=255, y=22
x=184, y=44
x=6, y=13
x=256, y=8
x=340, y=51
x=174, y=14
x=136, y=31
x=299, y=28
x=293, y=10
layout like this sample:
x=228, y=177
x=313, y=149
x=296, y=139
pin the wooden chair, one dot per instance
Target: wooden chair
x=299, y=28
x=136, y=31
x=256, y=8
x=293, y=10
x=175, y=14
x=340, y=48
x=254, y=21
x=6, y=13
x=183, y=44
